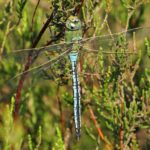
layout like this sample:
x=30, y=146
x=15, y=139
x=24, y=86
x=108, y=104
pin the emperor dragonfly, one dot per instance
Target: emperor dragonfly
x=107, y=44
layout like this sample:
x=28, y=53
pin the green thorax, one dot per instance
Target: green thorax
x=73, y=29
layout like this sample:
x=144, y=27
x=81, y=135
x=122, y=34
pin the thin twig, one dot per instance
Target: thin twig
x=100, y=133
x=121, y=138
x=78, y=8
x=34, y=15
x=128, y=19
x=30, y=60
x=4, y=39
x=61, y=113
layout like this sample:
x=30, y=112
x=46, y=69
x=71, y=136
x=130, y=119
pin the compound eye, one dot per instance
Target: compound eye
x=72, y=25
x=76, y=20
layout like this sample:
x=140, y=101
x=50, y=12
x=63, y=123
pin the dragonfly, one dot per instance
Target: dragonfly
x=120, y=43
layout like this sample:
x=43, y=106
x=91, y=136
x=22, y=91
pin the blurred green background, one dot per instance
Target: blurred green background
x=117, y=89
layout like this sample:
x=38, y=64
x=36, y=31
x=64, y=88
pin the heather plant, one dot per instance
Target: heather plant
x=36, y=107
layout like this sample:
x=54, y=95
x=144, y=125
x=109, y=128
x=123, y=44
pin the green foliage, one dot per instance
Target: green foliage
x=58, y=144
x=20, y=7
x=9, y=129
x=30, y=143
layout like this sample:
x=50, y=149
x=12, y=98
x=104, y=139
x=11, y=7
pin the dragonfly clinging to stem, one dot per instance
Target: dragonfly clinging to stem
x=73, y=43
x=74, y=34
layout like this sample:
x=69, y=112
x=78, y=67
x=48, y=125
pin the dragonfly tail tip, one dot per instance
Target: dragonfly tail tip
x=78, y=135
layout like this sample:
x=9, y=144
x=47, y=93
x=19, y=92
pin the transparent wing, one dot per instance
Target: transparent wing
x=95, y=42
x=121, y=50
x=102, y=38
x=129, y=40
x=12, y=65
x=14, y=61
x=126, y=42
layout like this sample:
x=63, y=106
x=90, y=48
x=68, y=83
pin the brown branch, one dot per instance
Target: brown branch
x=121, y=138
x=29, y=62
x=42, y=31
x=100, y=133
x=43, y=4
x=34, y=15
x=78, y=8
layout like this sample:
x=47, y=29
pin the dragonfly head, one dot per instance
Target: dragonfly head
x=73, y=23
